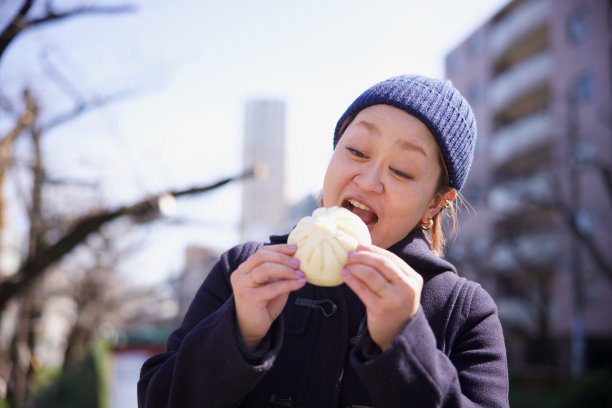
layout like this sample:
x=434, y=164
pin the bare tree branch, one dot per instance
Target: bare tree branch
x=35, y=267
x=15, y=27
x=84, y=107
x=20, y=22
x=606, y=175
x=26, y=119
x=587, y=242
x=60, y=79
x=79, y=11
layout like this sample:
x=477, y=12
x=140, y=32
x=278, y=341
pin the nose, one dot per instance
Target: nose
x=370, y=178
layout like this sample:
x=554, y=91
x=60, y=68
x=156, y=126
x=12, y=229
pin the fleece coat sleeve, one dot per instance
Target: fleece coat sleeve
x=205, y=364
x=468, y=369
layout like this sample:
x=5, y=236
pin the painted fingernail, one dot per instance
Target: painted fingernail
x=351, y=254
x=360, y=246
x=295, y=262
x=343, y=272
x=292, y=246
x=302, y=280
x=299, y=273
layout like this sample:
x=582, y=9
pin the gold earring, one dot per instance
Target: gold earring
x=427, y=225
x=447, y=205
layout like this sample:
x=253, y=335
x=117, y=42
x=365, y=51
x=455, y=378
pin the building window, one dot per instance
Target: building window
x=583, y=89
x=578, y=25
x=585, y=222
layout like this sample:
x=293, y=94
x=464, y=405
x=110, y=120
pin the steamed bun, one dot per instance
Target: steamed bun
x=323, y=242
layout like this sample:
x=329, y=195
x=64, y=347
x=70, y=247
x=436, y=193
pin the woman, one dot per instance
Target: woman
x=404, y=330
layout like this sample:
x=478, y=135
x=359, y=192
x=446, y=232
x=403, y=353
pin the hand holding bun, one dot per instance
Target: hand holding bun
x=324, y=241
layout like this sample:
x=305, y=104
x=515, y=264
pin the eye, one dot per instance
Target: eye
x=400, y=174
x=356, y=153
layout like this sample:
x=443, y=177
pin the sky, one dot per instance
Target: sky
x=185, y=70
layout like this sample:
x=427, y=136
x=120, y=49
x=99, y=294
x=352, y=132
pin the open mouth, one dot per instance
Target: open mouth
x=362, y=211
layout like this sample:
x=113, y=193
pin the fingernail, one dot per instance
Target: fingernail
x=351, y=254
x=302, y=280
x=360, y=246
x=295, y=262
x=299, y=273
x=292, y=246
x=343, y=272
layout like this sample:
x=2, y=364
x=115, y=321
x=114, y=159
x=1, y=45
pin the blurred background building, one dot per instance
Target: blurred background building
x=263, y=198
x=198, y=262
x=538, y=75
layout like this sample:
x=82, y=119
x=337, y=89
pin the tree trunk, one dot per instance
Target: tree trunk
x=17, y=387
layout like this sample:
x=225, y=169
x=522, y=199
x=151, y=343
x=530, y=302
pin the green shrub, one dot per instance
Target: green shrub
x=593, y=389
x=82, y=385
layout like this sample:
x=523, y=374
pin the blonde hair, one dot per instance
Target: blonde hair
x=435, y=236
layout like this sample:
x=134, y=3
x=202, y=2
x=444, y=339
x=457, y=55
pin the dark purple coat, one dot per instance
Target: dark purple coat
x=318, y=355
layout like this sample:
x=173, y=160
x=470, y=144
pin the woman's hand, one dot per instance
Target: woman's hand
x=389, y=288
x=261, y=286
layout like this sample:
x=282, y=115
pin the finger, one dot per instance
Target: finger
x=361, y=248
x=382, y=298
x=368, y=296
x=389, y=266
x=270, y=272
x=281, y=248
x=272, y=290
x=368, y=276
x=395, y=259
x=279, y=254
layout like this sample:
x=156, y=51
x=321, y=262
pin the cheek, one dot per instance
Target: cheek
x=330, y=183
x=407, y=215
x=407, y=218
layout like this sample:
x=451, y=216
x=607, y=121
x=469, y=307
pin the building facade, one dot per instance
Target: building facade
x=198, y=263
x=263, y=198
x=538, y=76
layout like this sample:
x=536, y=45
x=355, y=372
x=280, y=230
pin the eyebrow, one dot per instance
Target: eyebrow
x=403, y=144
x=372, y=130
x=406, y=145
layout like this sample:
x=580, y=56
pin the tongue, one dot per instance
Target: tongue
x=368, y=217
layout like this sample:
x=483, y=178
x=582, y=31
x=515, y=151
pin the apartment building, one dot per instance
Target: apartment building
x=538, y=75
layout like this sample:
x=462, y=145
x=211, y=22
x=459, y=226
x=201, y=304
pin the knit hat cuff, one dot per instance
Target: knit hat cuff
x=438, y=105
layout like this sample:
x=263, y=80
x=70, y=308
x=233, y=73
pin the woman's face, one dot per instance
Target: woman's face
x=385, y=169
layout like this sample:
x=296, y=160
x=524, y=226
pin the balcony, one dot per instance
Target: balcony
x=540, y=218
x=520, y=21
x=521, y=78
x=520, y=136
x=512, y=196
x=529, y=250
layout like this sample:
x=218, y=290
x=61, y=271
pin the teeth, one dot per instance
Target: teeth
x=359, y=205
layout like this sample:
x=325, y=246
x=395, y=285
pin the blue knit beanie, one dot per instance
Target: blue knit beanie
x=438, y=105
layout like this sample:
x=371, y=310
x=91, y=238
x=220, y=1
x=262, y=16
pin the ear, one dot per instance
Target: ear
x=437, y=202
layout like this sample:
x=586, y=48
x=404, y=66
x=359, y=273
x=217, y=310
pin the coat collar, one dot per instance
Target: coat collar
x=414, y=249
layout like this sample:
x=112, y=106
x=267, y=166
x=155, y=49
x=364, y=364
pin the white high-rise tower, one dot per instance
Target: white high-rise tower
x=263, y=203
